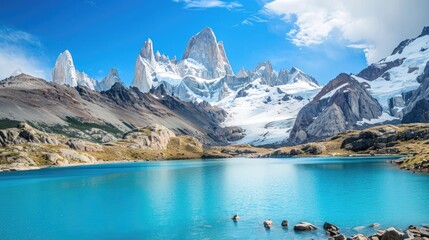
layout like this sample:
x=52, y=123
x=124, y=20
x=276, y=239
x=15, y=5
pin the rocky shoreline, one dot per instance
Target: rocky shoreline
x=333, y=232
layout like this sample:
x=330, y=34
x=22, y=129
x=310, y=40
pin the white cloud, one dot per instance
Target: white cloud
x=375, y=26
x=20, y=50
x=203, y=4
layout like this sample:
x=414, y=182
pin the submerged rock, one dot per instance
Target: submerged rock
x=374, y=225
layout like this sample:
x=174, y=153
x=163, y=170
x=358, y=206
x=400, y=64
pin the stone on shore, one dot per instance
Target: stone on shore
x=392, y=234
x=338, y=237
x=358, y=237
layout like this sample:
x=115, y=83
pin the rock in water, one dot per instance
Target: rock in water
x=268, y=224
x=374, y=225
x=285, y=223
x=392, y=234
x=235, y=218
x=330, y=226
x=304, y=226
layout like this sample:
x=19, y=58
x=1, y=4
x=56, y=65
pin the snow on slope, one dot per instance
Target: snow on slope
x=265, y=113
x=401, y=78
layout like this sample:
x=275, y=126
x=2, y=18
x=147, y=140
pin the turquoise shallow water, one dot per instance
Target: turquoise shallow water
x=195, y=199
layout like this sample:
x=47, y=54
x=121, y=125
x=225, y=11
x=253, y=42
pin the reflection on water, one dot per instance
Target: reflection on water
x=196, y=199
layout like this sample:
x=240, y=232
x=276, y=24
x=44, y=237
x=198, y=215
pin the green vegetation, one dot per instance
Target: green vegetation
x=7, y=123
x=83, y=126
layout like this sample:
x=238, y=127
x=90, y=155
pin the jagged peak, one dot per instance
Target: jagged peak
x=147, y=51
x=425, y=31
x=295, y=69
x=114, y=72
x=242, y=73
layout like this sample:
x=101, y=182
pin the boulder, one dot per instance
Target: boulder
x=81, y=145
x=304, y=226
x=73, y=156
x=358, y=237
x=285, y=223
x=268, y=224
x=338, y=237
x=374, y=225
x=330, y=226
x=392, y=234
x=152, y=137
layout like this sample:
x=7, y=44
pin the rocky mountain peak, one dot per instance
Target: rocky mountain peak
x=109, y=80
x=425, y=31
x=208, y=56
x=64, y=72
x=242, y=73
x=147, y=51
x=338, y=107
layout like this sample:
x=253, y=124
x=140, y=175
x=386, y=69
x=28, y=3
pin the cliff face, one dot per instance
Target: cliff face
x=338, y=107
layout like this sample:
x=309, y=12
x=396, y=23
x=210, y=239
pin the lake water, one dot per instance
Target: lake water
x=196, y=199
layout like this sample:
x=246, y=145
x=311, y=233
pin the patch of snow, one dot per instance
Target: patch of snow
x=383, y=118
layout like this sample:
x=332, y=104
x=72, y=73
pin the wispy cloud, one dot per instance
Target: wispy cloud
x=360, y=23
x=255, y=18
x=204, y=4
x=21, y=50
x=90, y=3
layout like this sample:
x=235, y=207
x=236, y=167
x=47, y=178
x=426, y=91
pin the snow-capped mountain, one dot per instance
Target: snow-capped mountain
x=261, y=101
x=396, y=85
x=64, y=73
x=108, y=81
x=267, y=113
x=209, y=55
x=398, y=73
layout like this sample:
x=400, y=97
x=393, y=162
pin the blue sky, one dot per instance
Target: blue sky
x=104, y=34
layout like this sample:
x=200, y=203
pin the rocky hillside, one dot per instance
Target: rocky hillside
x=102, y=116
x=338, y=107
x=410, y=140
x=27, y=148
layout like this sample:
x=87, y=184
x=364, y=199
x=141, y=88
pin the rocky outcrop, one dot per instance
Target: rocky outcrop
x=417, y=106
x=153, y=137
x=64, y=73
x=26, y=148
x=24, y=133
x=376, y=70
x=338, y=107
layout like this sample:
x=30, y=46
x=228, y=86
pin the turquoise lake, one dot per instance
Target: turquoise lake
x=195, y=199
